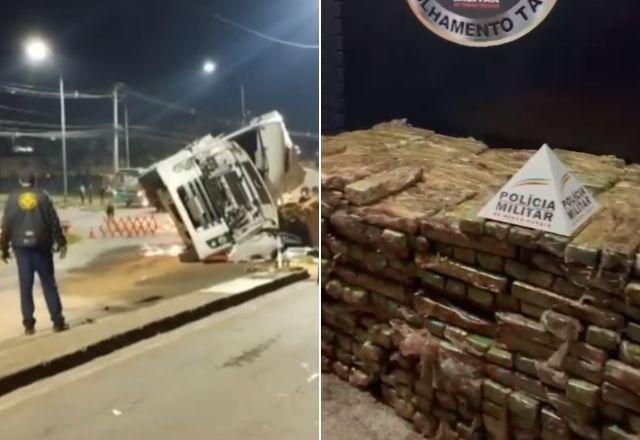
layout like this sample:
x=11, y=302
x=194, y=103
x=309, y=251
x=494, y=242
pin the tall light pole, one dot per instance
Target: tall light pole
x=38, y=51
x=63, y=130
x=242, y=103
x=116, y=152
x=209, y=67
x=126, y=134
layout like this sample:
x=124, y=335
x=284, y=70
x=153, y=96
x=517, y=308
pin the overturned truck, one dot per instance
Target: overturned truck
x=221, y=191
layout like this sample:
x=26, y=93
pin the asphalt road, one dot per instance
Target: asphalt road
x=250, y=372
x=105, y=276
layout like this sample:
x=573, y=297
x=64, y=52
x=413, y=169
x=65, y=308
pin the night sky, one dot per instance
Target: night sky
x=158, y=47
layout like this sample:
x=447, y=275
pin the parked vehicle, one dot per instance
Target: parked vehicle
x=127, y=189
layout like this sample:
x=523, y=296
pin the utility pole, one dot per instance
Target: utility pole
x=63, y=132
x=126, y=134
x=116, y=153
x=242, y=104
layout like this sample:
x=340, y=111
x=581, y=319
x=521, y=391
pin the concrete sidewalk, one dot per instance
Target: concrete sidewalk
x=28, y=359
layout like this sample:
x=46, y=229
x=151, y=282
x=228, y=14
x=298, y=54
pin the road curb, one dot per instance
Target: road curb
x=87, y=353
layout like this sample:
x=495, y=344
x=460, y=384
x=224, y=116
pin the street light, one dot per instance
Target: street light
x=38, y=51
x=208, y=68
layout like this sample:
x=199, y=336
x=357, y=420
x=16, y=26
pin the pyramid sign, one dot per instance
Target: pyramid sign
x=543, y=195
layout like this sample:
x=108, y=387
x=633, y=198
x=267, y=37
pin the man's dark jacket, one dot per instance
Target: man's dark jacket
x=31, y=221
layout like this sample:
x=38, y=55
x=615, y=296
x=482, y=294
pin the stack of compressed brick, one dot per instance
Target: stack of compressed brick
x=470, y=328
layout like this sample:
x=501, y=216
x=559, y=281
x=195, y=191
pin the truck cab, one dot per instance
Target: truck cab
x=214, y=193
x=268, y=144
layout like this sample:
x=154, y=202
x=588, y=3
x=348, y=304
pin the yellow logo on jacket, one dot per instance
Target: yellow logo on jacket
x=28, y=201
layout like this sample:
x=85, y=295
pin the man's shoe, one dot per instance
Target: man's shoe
x=29, y=331
x=60, y=327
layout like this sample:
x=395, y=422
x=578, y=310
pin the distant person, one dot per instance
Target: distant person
x=83, y=194
x=110, y=193
x=32, y=228
x=90, y=194
x=103, y=194
x=111, y=211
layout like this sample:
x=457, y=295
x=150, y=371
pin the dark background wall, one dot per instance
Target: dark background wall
x=573, y=82
x=332, y=76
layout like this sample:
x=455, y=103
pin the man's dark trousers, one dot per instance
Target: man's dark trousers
x=31, y=261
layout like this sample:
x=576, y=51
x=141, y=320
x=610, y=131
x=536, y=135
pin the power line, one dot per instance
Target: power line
x=89, y=134
x=304, y=134
x=21, y=110
x=265, y=36
x=55, y=134
x=129, y=91
x=43, y=88
x=43, y=93
x=185, y=137
x=160, y=137
x=45, y=125
x=15, y=128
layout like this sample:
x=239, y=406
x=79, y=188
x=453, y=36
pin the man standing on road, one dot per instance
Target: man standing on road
x=32, y=227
